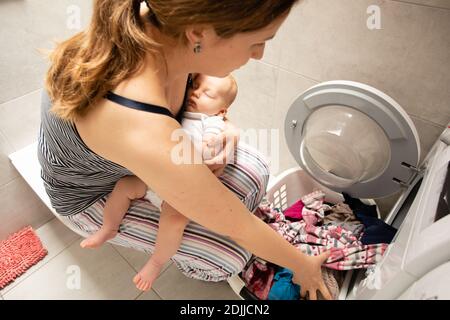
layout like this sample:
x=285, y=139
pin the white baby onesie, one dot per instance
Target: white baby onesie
x=197, y=126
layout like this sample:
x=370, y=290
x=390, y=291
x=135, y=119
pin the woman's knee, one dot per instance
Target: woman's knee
x=202, y=269
x=207, y=256
x=249, y=175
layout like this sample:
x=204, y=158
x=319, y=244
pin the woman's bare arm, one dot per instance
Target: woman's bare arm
x=194, y=190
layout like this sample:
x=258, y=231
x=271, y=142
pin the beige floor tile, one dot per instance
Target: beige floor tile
x=20, y=119
x=55, y=237
x=7, y=170
x=28, y=26
x=149, y=295
x=77, y=273
x=173, y=285
x=20, y=207
x=136, y=258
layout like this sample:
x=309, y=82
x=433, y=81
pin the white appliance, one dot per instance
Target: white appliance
x=350, y=137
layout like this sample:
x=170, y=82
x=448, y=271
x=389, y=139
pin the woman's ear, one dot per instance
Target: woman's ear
x=195, y=34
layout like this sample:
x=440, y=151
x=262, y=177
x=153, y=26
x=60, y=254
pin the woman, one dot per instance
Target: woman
x=114, y=97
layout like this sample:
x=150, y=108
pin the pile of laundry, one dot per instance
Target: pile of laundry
x=351, y=231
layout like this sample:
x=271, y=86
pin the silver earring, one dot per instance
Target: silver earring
x=198, y=48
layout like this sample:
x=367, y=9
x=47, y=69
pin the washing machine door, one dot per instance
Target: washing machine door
x=353, y=138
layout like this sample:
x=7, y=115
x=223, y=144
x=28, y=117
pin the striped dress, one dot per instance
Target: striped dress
x=78, y=182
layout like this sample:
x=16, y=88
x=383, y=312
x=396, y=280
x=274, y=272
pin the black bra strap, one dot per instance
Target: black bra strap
x=137, y=105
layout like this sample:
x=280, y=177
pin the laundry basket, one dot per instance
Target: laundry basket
x=282, y=192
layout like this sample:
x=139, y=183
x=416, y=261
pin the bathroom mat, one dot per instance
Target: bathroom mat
x=19, y=252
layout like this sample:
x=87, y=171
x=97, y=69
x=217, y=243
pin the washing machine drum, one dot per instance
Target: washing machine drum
x=353, y=138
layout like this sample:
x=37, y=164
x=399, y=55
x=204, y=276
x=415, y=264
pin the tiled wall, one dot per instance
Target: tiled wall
x=408, y=58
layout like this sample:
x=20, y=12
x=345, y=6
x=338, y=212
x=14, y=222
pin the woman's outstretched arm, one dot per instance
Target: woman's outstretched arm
x=146, y=150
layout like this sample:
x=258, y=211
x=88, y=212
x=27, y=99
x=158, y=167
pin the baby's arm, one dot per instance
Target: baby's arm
x=213, y=127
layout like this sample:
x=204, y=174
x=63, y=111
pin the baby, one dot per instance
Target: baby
x=209, y=99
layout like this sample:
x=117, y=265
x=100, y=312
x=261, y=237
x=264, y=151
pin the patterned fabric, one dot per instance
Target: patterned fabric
x=347, y=251
x=314, y=208
x=203, y=254
x=330, y=278
x=74, y=176
x=258, y=278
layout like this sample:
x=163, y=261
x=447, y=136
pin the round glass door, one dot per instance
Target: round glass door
x=352, y=138
x=344, y=146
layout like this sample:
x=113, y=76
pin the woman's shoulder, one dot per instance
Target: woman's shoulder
x=148, y=85
x=111, y=129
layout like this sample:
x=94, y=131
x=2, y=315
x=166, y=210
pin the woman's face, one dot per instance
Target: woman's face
x=219, y=57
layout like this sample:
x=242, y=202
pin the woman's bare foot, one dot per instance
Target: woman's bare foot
x=144, y=279
x=98, y=238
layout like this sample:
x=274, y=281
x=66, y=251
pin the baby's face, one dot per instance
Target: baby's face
x=210, y=95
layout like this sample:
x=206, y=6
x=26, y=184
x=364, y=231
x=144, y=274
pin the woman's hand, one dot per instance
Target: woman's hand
x=225, y=145
x=309, y=278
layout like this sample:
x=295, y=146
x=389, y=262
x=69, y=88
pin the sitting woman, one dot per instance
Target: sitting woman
x=116, y=93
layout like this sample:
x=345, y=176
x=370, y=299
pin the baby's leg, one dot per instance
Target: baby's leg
x=117, y=204
x=170, y=234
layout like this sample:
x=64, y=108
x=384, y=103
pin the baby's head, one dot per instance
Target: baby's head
x=211, y=95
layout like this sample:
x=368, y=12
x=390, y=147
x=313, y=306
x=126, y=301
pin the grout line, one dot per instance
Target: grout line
x=9, y=182
x=431, y=123
x=420, y=4
x=140, y=294
x=113, y=246
x=290, y=71
x=20, y=97
x=146, y=292
x=158, y=294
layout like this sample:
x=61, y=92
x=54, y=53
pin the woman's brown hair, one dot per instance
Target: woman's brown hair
x=89, y=64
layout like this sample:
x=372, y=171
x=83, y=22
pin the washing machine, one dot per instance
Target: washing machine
x=351, y=138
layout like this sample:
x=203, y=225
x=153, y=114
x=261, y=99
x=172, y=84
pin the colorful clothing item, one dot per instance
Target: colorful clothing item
x=342, y=215
x=375, y=230
x=347, y=252
x=331, y=278
x=258, y=278
x=314, y=210
x=283, y=288
x=294, y=212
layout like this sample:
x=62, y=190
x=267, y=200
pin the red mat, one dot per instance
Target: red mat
x=18, y=253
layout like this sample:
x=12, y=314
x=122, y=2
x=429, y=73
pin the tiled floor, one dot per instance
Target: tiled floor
x=69, y=272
